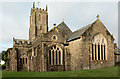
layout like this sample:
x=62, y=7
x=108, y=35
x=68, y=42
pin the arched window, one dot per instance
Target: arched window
x=20, y=60
x=59, y=57
x=55, y=55
x=23, y=59
x=26, y=60
x=102, y=52
x=92, y=53
x=49, y=57
x=98, y=51
x=95, y=53
x=99, y=47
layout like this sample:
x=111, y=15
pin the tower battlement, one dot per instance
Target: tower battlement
x=21, y=42
x=38, y=22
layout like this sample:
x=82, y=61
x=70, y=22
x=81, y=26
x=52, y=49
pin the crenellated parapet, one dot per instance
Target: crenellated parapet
x=38, y=22
x=21, y=42
x=38, y=9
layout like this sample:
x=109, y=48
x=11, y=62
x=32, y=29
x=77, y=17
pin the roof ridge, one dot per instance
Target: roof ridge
x=64, y=29
x=83, y=27
x=79, y=32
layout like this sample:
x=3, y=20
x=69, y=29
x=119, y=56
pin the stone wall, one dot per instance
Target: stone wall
x=75, y=48
x=38, y=23
x=79, y=49
x=98, y=28
x=76, y=54
x=12, y=60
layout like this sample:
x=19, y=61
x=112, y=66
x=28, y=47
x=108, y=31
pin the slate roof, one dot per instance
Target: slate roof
x=78, y=33
x=64, y=29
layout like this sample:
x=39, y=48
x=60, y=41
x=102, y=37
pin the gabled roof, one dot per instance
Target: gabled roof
x=64, y=29
x=77, y=33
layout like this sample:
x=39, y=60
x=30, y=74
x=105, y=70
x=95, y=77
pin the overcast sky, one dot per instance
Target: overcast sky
x=14, y=17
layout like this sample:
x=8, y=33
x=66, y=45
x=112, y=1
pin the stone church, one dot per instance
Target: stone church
x=60, y=49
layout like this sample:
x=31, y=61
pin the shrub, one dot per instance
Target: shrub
x=3, y=66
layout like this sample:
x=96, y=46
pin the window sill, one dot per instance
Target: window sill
x=98, y=60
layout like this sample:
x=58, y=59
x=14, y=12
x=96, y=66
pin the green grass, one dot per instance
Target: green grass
x=103, y=72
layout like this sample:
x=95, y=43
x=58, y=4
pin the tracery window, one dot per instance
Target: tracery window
x=55, y=55
x=34, y=51
x=99, y=47
x=23, y=59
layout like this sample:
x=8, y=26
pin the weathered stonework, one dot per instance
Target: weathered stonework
x=60, y=49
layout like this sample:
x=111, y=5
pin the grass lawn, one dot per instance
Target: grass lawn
x=103, y=72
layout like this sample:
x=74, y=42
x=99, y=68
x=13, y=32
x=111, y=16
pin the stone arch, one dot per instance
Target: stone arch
x=23, y=59
x=99, y=47
x=55, y=55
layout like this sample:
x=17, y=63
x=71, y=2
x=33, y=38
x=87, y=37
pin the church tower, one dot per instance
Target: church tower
x=38, y=22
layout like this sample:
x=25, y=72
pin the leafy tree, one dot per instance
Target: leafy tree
x=4, y=55
x=4, y=58
x=4, y=66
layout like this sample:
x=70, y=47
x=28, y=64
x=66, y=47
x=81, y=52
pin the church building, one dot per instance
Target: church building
x=60, y=49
